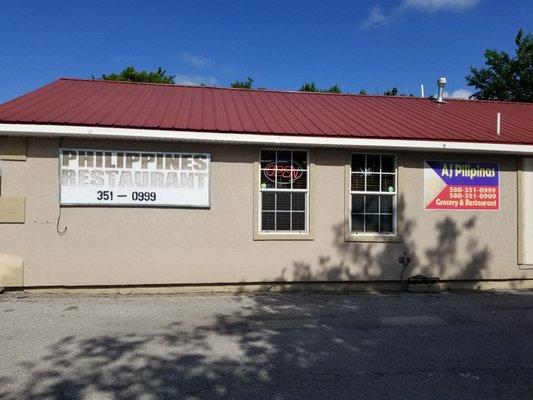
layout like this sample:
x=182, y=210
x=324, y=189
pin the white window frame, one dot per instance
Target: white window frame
x=277, y=190
x=394, y=195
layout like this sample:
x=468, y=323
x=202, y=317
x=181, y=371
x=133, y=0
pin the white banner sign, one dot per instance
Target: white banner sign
x=133, y=178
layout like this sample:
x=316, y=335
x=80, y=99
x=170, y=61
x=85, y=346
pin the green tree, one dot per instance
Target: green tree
x=362, y=91
x=311, y=87
x=243, y=84
x=392, y=92
x=308, y=87
x=131, y=75
x=505, y=77
x=334, y=89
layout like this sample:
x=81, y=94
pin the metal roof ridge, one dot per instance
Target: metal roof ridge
x=253, y=90
x=291, y=91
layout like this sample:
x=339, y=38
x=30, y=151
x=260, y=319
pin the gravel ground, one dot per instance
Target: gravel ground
x=275, y=346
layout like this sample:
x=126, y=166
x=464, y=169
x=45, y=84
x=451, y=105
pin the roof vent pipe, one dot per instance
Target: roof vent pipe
x=441, y=82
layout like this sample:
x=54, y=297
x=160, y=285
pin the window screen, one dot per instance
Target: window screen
x=284, y=191
x=373, y=193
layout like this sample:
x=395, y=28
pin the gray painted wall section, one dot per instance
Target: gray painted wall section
x=117, y=246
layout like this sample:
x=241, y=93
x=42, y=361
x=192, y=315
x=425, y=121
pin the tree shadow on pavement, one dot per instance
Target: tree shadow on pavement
x=288, y=346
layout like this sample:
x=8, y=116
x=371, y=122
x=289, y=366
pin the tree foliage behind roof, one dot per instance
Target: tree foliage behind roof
x=334, y=89
x=308, y=87
x=311, y=87
x=248, y=84
x=131, y=75
x=505, y=77
x=393, y=92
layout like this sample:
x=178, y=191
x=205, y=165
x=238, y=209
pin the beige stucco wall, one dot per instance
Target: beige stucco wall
x=117, y=246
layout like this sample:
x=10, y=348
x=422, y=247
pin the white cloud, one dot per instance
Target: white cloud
x=378, y=17
x=195, y=60
x=436, y=5
x=458, y=94
x=195, y=80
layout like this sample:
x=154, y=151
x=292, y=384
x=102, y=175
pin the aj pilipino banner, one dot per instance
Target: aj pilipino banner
x=461, y=185
x=133, y=178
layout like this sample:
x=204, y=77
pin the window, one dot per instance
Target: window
x=284, y=191
x=373, y=194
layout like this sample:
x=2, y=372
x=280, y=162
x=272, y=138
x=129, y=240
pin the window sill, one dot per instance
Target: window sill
x=354, y=237
x=283, y=236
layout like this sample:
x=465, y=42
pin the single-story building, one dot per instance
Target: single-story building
x=114, y=184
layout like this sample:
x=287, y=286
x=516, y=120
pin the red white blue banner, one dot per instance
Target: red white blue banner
x=461, y=185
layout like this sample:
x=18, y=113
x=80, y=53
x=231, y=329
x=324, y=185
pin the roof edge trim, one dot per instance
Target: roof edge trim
x=41, y=130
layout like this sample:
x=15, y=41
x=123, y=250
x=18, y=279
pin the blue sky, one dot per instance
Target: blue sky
x=372, y=45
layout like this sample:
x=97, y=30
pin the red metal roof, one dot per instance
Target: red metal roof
x=212, y=109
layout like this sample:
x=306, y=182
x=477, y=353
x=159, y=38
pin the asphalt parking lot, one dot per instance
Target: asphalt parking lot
x=271, y=346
